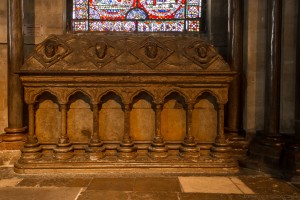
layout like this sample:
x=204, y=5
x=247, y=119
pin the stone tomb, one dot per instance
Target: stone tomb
x=131, y=103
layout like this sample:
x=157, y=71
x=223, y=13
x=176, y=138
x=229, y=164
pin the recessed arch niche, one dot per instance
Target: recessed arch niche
x=79, y=118
x=47, y=118
x=142, y=117
x=205, y=118
x=173, y=118
x=111, y=118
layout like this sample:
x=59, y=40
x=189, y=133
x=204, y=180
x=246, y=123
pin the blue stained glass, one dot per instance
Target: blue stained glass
x=161, y=26
x=180, y=14
x=193, y=11
x=193, y=2
x=136, y=14
x=112, y=26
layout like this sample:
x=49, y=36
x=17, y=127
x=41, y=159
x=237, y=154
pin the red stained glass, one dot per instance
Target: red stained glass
x=137, y=15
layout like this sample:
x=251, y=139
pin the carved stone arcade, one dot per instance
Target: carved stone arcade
x=99, y=102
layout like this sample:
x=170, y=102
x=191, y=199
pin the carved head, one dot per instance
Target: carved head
x=151, y=49
x=201, y=51
x=50, y=48
x=101, y=49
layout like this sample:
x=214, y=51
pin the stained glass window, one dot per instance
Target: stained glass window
x=138, y=15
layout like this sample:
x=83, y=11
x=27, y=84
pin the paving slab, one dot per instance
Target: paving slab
x=203, y=196
x=103, y=195
x=270, y=186
x=113, y=184
x=245, y=197
x=15, y=193
x=154, y=196
x=241, y=185
x=222, y=185
x=157, y=184
x=9, y=182
x=55, y=182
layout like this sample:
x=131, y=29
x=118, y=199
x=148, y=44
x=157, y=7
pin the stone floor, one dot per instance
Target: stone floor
x=246, y=185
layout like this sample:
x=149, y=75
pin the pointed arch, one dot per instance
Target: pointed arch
x=175, y=91
x=141, y=91
x=79, y=91
x=42, y=92
x=207, y=91
x=111, y=91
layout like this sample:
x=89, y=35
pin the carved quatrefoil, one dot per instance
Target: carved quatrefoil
x=102, y=51
x=151, y=52
x=51, y=51
x=200, y=53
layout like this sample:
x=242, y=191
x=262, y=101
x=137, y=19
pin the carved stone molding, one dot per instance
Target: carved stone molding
x=151, y=52
x=119, y=53
x=102, y=51
x=51, y=51
x=201, y=53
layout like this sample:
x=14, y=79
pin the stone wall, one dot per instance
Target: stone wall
x=288, y=70
x=255, y=61
x=3, y=66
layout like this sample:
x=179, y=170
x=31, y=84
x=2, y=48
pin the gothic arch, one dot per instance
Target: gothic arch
x=43, y=91
x=112, y=92
x=137, y=93
x=79, y=91
x=217, y=98
x=175, y=91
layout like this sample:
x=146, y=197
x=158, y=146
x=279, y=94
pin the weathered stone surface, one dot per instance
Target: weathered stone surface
x=48, y=121
x=9, y=157
x=39, y=193
x=76, y=54
x=112, y=184
x=157, y=185
x=204, y=121
x=111, y=121
x=105, y=195
x=153, y=195
x=268, y=185
x=197, y=196
x=3, y=23
x=173, y=112
x=3, y=87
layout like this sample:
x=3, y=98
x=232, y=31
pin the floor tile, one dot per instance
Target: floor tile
x=103, y=195
x=245, y=197
x=157, y=184
x=153, y=195
x=65, y=182
x=203, y=196
x=272, y=197
x=29, y=182
x=241, y=185
x=13, y=193
x=269, y=186
x=117, y=184
x=9, y=182
x=221, y=185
